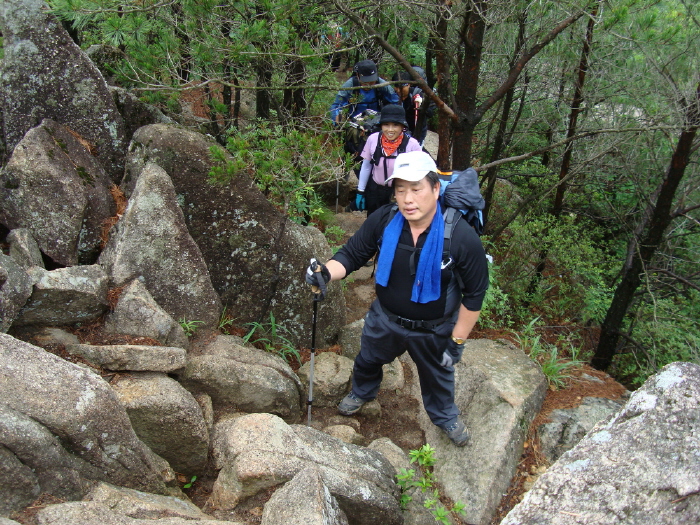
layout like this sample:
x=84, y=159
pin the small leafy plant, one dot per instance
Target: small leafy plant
x=190, y=482
x=546, y=355
x=225, y=320
x=424, y=479
x=269, y=336
x=334, y=234
x=190, y=327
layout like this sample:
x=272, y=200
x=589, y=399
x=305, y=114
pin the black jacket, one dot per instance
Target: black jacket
x=466, y=250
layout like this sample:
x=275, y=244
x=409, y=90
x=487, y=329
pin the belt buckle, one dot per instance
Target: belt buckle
x=406, y=323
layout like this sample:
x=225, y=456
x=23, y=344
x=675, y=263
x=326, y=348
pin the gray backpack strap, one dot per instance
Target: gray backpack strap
x=451, y=217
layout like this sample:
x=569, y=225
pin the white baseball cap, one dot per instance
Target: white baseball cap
x=412, y=166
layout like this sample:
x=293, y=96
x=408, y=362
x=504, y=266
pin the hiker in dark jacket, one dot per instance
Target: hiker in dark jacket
x=378, y=156
x=355, y=101
x=427, y=301
x=351, y=103
x=411, y=98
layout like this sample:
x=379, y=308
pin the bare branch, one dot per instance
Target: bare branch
x=515, y=71
x=684, y=211
x=584, y=134
x=677, y=277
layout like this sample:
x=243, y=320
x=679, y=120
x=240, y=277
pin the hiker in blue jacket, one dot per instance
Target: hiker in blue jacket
x=428, y=296
x=350, y=103
x=355, y=101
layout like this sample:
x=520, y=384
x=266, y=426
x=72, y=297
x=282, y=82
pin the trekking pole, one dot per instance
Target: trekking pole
x=315, y=267
x=337, y=192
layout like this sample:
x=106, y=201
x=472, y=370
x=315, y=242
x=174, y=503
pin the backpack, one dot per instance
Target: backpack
x=359, y=128
x=379, y=152
x=460, y=190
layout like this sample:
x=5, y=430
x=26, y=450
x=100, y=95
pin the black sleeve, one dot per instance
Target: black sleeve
x=363, y=244
x=470, y=264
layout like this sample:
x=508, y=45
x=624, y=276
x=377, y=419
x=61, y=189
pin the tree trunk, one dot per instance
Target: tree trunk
x=262, y=96
x=576, y=103
x=500, y=138
x=647, y=238
x=472, y=37
x=294, y=99
x=443, y=88
x=575, y=111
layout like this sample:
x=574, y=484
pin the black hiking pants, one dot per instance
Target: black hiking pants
x=376, y=196
x=384, y=340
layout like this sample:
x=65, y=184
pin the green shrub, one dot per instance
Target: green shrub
x=286, y=164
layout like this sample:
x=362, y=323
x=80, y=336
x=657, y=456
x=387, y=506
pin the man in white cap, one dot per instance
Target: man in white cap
x=430, y=286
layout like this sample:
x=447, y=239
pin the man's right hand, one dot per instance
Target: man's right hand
x=360, y=200
x=318, y=276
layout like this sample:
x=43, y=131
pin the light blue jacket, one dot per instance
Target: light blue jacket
x=358, y=100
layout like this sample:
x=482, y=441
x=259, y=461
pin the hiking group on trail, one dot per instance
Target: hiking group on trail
x=431, y=279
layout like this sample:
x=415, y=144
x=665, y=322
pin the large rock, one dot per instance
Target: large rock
x=151, y=242
x=94, y=513
x=20, y=485
x=256, y=257
x=65, y=296
x=15, y=290
x=46, y=75
x=499, y=391
x=641, y=465
x=567, y=427
x=137, y=504
x=68, y=426
x=167, y=418
x=135, y=112
x=304, y=500
x=54, y=187
x=24, y=248
x=332, y=373
x=138, y=358
x=136, y=313
x=259, y=451
x=246, y=379
x=350, y=337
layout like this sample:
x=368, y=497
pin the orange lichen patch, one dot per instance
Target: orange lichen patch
x=113, y=297
x=121, y=201
x=84, y=142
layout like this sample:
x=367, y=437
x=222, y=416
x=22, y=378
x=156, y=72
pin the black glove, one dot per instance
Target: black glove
x=317, y=275
x=452, y=353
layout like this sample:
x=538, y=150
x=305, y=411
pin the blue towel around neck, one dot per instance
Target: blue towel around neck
x=426, y=286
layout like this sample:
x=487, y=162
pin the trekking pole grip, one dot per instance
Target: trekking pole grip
x=316, y=268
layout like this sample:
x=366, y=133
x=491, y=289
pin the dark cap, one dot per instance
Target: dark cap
x=393, y=113
x=403, y=76
x=366, y=71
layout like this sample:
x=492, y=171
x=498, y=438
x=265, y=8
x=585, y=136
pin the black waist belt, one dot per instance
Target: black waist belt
x=415, y=324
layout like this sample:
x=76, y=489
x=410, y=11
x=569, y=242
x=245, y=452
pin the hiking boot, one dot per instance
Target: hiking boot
x=350, y=404
x=457, y=432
